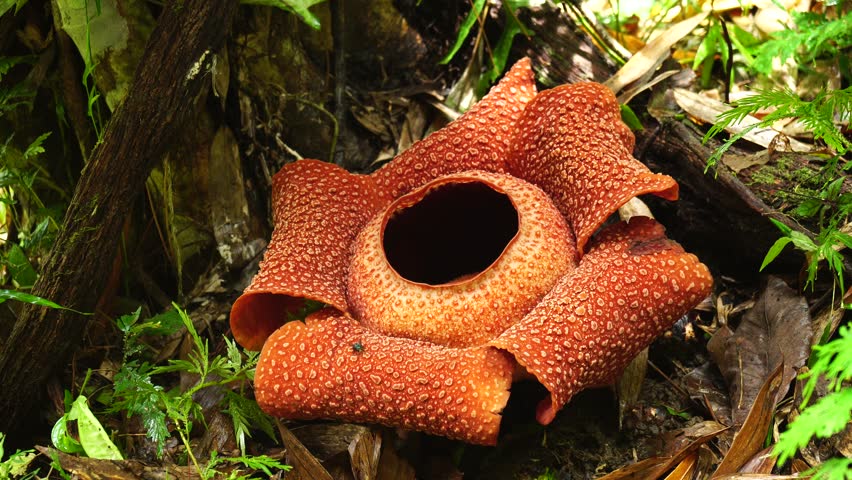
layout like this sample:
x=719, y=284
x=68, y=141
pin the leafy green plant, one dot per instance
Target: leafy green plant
x=499, y=55
x=830, y=207
x=723, y=39
x=24, y=216
x=817, y=115
x=547, y=475
x=92, y=94
x=815, y=36
x=476, y=10
x=35, y=300
x=261, y=463
x=6, y=5
x=816, y=250
x=713, y=43
x=17, y=464
x=589, y=27
x=136, y=393
x=831, y=413
x=19, y=94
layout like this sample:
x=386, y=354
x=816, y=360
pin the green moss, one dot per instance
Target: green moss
x=764, y=175
x=785, y=183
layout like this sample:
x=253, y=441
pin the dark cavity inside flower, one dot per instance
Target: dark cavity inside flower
x=456, y=231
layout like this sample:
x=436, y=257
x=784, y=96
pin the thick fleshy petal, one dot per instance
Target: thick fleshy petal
x=459, y=260
x=631, y=286
x=331, y=367
x=318, y=209
x=572, y=143
x=478, y=140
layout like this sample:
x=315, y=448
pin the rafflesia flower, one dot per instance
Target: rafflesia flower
x=471, y=259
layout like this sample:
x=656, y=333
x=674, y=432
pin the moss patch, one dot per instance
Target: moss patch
x=785, y=182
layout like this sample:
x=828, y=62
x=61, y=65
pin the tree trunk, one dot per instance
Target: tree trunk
x=161, y=99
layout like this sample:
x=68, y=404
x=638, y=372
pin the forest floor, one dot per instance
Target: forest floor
x=167, y=394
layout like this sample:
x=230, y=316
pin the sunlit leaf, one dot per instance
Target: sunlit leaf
x=628, y=116
x=708, y=45
x=35, y=147
x=124, y=322
x=93, y=437
x=62, y=440
x=28, y=298
x=809, y=207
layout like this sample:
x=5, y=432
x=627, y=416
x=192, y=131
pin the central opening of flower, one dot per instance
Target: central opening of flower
x=454, y=232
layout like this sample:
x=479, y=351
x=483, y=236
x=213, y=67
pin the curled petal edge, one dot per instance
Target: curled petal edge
x=632, y=285
x=572, y=144
x=317, y=207
x=331, y=367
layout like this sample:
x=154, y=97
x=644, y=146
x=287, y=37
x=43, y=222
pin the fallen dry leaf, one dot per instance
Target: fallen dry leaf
x=757, y=476
x=706, y=386
x=738, y=163
x=685, y=468
x=799, y=466
x=749, y=440
x=680, y=445
x=776, y=330
x=305, y=465
x=326, y=440
x=364, y=453
x=653, y=54
x=393, y=467
x=636, y=471
x=761, y=462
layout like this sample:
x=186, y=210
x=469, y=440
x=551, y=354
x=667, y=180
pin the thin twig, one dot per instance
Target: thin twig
x=338, y=25
x=677, y=387
x=729, y=65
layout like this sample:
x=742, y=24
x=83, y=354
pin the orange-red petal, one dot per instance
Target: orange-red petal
x=318, y=209
x=631, y=286
x=331, y=367
x=480, y=139
x=572, y=143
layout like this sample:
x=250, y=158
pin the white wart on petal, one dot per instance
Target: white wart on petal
x=332, y=367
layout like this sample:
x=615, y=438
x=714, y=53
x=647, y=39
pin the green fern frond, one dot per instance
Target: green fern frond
x=822, y=419
x=815, y=36
x=818, y=115
x=832, y=412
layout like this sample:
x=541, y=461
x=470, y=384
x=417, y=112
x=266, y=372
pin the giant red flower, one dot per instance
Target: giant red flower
x=470, y=257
